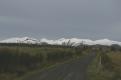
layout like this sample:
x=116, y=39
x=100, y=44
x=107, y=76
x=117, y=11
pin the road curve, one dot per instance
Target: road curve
x=75, y=70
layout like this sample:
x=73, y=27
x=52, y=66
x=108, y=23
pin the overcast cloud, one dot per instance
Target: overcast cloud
x=53, y=19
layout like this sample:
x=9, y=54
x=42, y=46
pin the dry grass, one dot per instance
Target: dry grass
x=102, y=73
x=116, y=60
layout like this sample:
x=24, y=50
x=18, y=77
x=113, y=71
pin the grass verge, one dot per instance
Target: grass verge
x=98, y=71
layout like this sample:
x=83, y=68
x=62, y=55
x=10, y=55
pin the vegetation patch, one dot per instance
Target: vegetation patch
x=106, y=66
x=18, y=61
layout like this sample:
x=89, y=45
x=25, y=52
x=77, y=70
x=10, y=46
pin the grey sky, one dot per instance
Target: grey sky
x=94, y=19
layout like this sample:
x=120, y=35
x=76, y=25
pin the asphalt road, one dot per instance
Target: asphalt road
x=75, y=70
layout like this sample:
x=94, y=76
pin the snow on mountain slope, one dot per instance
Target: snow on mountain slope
x=20, y=40
x=73, y=40
x=60, y=41
x=106, y=42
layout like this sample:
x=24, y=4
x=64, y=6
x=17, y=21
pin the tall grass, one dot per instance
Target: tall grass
x=16, y=61
x=106, y=66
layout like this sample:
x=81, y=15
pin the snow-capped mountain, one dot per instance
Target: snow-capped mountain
x=75, y=41
x=84, y=41
x=107, y=42
x=20, y=40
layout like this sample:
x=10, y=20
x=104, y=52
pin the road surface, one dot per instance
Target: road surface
x=75, y=70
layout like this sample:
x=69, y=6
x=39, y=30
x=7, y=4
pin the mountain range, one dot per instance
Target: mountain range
x=75, y=41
